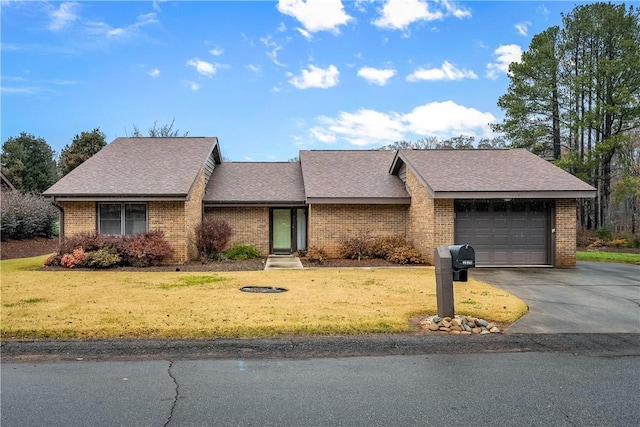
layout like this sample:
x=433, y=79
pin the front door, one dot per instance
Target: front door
x=288, y=230
x=281, y=231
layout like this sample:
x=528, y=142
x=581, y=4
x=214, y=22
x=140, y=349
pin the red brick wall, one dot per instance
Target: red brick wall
x=330, y=223
x=250, y=225
x=565, y=236
x=431, y=220
x=193, y=215
x=79, y=217
x=170, y=218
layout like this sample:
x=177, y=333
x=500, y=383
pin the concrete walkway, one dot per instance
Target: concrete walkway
x=283, y=262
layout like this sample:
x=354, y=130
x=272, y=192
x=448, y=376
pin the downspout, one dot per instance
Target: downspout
x=60, y=219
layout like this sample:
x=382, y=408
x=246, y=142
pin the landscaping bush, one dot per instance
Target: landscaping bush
x=242, y=252
x=145, y=250
x=25, y=216
x=383, y=246
x=90, y=241
x=392, y=248
x=92, y=250
x=405, y=255
x=102, y=258
x=356, y=247
x=212, y=237
x=317, y=255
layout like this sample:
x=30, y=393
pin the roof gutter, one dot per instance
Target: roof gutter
x=474, y=195
x=110, y=197
x=60, y=219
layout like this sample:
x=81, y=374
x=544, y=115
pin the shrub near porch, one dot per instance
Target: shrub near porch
x=109, y=304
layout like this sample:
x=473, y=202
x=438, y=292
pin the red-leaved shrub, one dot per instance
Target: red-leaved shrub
x=92, y=250
x=212, y=237
x=145, y=250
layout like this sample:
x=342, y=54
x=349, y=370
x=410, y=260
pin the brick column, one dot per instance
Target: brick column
x=565, y=236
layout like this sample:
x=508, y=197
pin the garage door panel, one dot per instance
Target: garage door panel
x=519, y=222
x=520, y=257
x=519, y=239
x=538, y=240
x=537, y=222
x=538, y=257
x=505, y=234
x=483, y=257
x=501, y=240
x=480, y=240
x=500, y=257
x=500, y=223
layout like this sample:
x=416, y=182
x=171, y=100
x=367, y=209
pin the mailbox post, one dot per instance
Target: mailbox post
x=444, y=281
x=451, y=265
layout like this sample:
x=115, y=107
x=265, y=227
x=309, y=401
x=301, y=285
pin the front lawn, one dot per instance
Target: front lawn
x=605, y=256
x=110, y=304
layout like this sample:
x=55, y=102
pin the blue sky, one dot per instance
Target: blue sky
x=267, y=78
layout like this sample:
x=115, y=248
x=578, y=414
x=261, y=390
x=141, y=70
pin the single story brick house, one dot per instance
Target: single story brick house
x=513, y=207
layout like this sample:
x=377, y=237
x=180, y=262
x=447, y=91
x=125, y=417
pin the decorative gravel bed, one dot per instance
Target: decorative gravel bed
x=459, y=325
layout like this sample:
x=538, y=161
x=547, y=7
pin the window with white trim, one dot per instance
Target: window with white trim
x=122, y=218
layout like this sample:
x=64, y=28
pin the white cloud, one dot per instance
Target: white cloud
x=375, y=75
x=22, y=90
x=523, y=27
x=306, y=34
x=362, y=128
x=191, y=85
x=447, y=71
x=453, y=9
x=274, y=48
x=203, y=67
x=217, y=51
x=447, y=119
x=63, y=16
x=505, y=55
x=154, y=73
x=104, y=29
x=399, y=14
x=316, y=15
x=366, y=127
x=156, y=4
x=316, y=77
x=254, y=68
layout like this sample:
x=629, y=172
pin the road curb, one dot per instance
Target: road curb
x=318, y=347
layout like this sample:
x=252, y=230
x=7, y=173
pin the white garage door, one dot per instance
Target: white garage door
x=504, y=233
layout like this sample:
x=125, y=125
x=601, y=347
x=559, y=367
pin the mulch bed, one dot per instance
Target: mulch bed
x=10, y=249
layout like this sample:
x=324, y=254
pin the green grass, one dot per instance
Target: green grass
x=602, y=256
x=72, y=304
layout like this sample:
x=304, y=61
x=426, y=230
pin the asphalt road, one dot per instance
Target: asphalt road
x=461, y=389
x=594, y=297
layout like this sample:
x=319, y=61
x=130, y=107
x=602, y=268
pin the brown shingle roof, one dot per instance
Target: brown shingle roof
x=255, y=183
x=138, y=167
x=490, y=171
x=351, y=176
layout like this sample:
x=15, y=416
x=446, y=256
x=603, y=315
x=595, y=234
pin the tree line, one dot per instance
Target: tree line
x=575, y=98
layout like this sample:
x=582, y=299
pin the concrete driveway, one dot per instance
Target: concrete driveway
x=594, y=297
